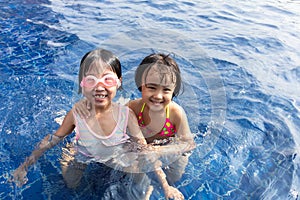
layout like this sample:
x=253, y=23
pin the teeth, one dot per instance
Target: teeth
x=156, y=101
x=100, y=96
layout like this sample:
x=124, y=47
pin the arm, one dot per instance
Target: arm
x=170, y=192
x=134, y=128
x=183, y=131
x=135, y=106
x=19, y=175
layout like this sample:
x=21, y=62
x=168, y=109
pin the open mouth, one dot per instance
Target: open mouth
x=100, y=96
x=156, y=102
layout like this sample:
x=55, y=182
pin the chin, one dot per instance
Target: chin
x=156, y=107
x=101, y=103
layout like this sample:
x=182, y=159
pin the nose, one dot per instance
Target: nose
x=158, y=94
x=99, y=86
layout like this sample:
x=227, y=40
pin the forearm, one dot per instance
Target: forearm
x=187, y=139
x=19, y=175
x=170, y=192
x=162, y=179
x=190, y=145
x=48, y=142
x=161, y=175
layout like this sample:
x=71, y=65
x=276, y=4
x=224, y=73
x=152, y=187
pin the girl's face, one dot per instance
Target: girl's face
x=157, y=89
x=100, y=88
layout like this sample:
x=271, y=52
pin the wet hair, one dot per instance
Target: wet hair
x=99, y=59
x=162, y=62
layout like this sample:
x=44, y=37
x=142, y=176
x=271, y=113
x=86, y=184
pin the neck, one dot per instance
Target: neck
x=157, y=113
x=103, y=110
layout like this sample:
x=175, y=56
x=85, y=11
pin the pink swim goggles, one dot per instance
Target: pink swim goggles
x=108, y=80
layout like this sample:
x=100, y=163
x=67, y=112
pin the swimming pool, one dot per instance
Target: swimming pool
x=240, y=63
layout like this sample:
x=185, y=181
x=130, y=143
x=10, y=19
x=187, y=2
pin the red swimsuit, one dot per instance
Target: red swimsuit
x=168, y=128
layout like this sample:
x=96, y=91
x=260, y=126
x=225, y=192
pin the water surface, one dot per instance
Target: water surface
x=240, y=65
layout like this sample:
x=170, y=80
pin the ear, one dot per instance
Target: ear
x=119, y=82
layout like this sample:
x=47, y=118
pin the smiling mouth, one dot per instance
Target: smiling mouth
x=156, y=102
x=100, y=96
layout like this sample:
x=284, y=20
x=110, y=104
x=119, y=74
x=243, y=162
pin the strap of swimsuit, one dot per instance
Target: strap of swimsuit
x=143, y=107
x=167, y=111
x=140, y=116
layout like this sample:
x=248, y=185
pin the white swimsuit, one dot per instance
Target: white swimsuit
x=101, y=148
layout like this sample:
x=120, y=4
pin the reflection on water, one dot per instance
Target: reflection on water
x=240, y=69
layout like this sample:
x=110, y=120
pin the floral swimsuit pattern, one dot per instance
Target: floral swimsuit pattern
x=168, y=128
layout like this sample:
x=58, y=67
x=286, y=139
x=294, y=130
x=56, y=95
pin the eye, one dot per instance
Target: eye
x=151, y=87
x=167, y=90
x=90, y=79
x=109, y=79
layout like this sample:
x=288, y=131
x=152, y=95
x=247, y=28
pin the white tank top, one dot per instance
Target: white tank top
x=101, y=148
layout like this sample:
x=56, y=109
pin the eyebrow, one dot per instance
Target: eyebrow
x=113, y=73
x=155, y=84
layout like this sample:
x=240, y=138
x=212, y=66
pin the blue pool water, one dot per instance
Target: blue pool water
x=240, y=65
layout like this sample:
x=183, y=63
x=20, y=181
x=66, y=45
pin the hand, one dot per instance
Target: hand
x=173, y=193
x=148, y=161
x=19, y=176
x=83, y=108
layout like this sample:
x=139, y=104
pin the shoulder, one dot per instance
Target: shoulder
x=132, y=119
x=134, y=102
x=135, y=105
x=121, y=106
x=71, y=115
x=67, y=126
x=131, y=112
x=177, y=113
x=121, y=110
x=127, y=110
x=176, y=109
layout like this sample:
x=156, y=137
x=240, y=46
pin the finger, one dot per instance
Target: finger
x=85, y=113
x=88, y=105
x=82, y=111
x=180, y=196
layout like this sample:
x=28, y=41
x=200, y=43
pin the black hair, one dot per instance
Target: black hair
x=160, y=60
x=96, y=58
